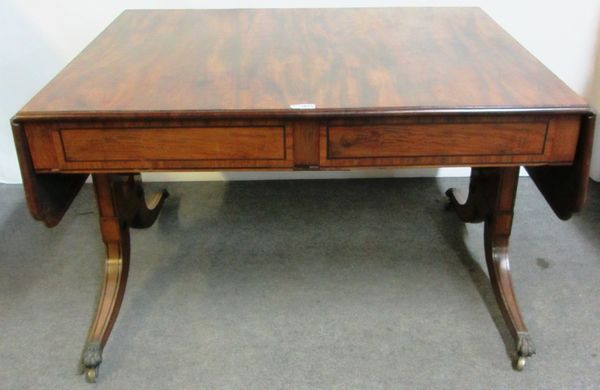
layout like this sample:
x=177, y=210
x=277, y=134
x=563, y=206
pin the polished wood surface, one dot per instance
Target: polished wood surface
x=304, y=144
x=199, y=143
x=121, y=205
x=345, y=61
x=161, y=145
x=492, y=194
x=449, y=141
x=370, y=141
x=565, y=188
x=48, y=196
x=214, y=90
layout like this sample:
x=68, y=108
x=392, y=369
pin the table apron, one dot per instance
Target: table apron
x=302, y=144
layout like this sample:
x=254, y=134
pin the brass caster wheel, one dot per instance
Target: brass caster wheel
x=91, y=373
x=520, y=363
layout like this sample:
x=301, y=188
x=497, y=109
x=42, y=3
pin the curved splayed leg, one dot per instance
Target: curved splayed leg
x=145, y=213
x=121, y=205
x=470, y=210
x=497, y=231
x=491, y=199
x=115, y=235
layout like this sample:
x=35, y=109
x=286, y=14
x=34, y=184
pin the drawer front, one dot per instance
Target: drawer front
x=337, y=143
x=401, y=143
x=435, y=140
x=208, y=143
x=73, y=148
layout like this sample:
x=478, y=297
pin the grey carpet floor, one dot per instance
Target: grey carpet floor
x=357, y=284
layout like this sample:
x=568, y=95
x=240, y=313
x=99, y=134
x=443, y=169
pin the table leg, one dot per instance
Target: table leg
x=473, y=209
x=121, y=205
x=491, y=199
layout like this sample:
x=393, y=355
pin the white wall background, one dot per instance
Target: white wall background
x=39, y=37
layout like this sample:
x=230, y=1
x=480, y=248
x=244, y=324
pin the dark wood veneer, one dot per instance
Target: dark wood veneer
x=195, y=143
x=175, y=90
x=222, y=63
x=465, y=139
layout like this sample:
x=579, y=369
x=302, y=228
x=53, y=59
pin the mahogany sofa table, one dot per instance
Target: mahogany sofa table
x=310, y=89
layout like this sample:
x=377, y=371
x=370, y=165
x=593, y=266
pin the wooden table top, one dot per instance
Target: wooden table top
x=214, y=63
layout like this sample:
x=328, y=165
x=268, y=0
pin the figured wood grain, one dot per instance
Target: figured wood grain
x=435, y=140
x=566, y=188
x=48, y=196
x=209, y=143
x=228, y=63
x=338, y=143
x=211, y=90
x=306, y=144
x=44, y=153
x=449, y=141
x=562, y=137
